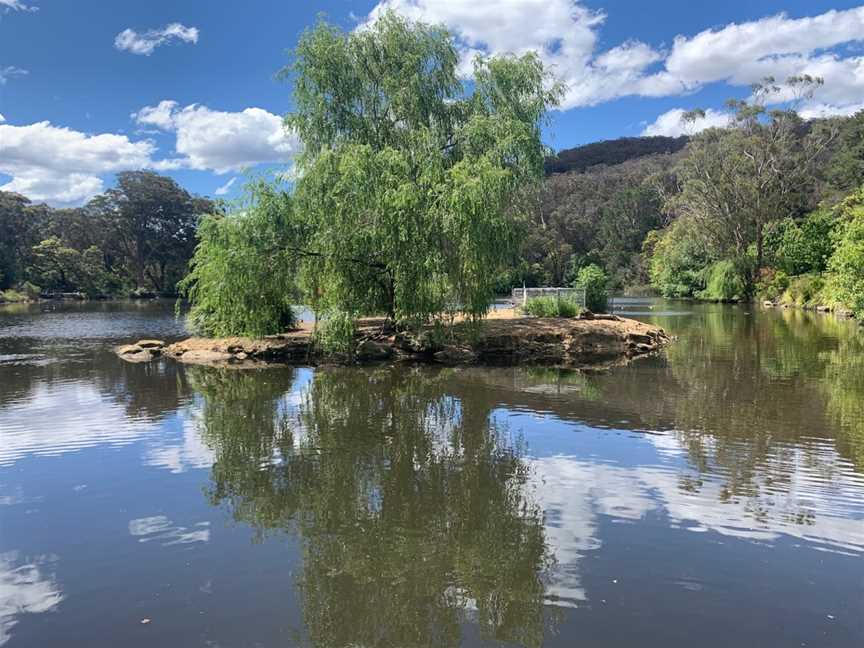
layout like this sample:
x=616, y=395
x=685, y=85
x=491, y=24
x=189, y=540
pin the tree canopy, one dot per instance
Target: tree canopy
x=411, y=182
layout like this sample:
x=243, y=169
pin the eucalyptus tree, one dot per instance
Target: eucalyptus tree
x=735, y=181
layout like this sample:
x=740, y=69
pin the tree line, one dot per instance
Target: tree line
x=135, y=238
x=769, y=207
x=420, y=196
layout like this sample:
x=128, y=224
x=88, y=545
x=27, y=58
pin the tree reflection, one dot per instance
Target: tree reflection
x=413, y=506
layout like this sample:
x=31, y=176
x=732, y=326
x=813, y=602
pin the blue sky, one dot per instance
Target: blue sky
x=190, y=90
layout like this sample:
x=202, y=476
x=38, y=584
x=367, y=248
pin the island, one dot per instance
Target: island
x=505, y=337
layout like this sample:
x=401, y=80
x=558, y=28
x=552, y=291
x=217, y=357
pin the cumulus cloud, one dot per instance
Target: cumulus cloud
x=65, y=167
x=220, y=141
x=145, y=43
x=565, y=34
x=224, y=189
x=9, y=72
x=61, y=165
x=17, y=5
x=672, y=123
x=24, y=589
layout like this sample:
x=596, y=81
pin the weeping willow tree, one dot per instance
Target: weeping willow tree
x=242, y=276
x=410, y=184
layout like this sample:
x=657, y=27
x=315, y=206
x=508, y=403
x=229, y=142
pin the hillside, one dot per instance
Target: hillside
x=611, y=152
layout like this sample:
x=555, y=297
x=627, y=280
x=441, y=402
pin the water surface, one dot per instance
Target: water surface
x=712, y=496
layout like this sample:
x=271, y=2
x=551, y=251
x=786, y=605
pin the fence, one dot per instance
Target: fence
x=521, y=295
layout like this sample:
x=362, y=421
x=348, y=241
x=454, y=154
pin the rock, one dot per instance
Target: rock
x=845, y=312
x=142, y=356
x=204, y=357
x=241, y=355
x=423, y=343
x=150, y=344
x=129, y=349
x=370, y=350
x=455, y=355
x=768, y=303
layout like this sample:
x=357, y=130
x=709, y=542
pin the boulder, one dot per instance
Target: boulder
x=768, y=303
x=150, y=344
x=455, y=355
x=370, y=350
x=129, y=349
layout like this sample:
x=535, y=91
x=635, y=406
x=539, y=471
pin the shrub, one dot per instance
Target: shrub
x=806, y=290
x=594, y=281
x=846, y=267
x=336, y=333
x=801, y=247
x=551, y=307
x=678, y=258
x=772, y=284
x=723, y=282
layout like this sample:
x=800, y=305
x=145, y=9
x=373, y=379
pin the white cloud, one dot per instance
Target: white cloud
x=160, y=115
x=17, y=5
x=566, y=34
x=220, y=141
x=61, y=165
x=10, y=71
x=161, y=529
x=24, y=590
x=672, y=123
x=224, y=189
x=2, y=118
x=65, y=167
x=131, y=41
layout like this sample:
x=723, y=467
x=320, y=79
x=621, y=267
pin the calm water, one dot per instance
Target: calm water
x=713, y=497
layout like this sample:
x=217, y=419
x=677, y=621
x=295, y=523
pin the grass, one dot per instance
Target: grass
x=12, y=296
x=552, y=307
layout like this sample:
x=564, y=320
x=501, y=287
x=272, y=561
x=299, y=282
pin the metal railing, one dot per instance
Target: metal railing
x=520, y=296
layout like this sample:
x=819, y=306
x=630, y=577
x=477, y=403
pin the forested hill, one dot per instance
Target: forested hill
x=612, y=152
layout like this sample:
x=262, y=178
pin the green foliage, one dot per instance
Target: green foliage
x=336, y=334
x=845, y=283
x=804, y=291
x=724, y=282
x=551, y=307
x=678, y=258
x=58, y=268
x=409, y=186
x=593, y=280
x=150, y=222
x=12, y=296
x=242, y=275
x=530, y=275
x=801, y=246
x=139, y=234
x=772, y=285
x=846, y=167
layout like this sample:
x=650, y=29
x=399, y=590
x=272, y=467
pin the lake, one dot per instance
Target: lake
x=713, y=496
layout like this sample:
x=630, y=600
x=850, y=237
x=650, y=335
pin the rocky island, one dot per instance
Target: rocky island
x=506, y=337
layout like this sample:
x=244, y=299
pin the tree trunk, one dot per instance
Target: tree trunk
x=759, y=248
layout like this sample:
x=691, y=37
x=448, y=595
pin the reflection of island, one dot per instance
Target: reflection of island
x=413, y=507
x=24, y=589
